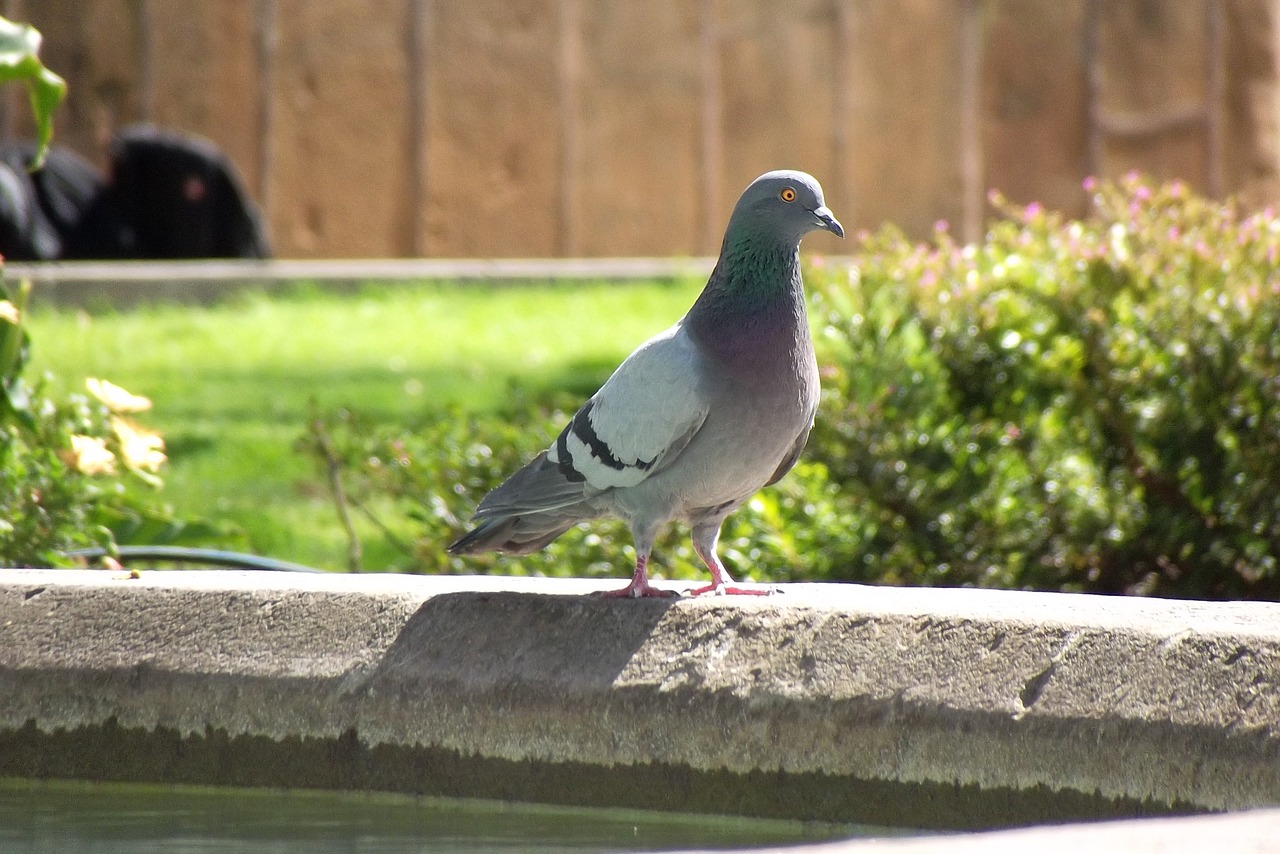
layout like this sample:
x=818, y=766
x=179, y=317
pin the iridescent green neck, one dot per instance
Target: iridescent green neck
x=751, y=276
x=751, y=315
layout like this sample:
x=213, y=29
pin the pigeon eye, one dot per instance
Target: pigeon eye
x=787, y=194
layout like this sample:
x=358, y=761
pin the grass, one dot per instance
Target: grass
x=233, y=384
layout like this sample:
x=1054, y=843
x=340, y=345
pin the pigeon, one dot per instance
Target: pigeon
x=699, y=417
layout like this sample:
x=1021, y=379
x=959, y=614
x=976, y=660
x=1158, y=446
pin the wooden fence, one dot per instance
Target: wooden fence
x=911, y=109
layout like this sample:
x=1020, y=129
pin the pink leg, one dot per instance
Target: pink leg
x=722, y=584
x=639, y=586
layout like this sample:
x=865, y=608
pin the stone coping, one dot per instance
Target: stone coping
x=358, y=270
x=1251, y=832
x=125, y=283
x=932, y=708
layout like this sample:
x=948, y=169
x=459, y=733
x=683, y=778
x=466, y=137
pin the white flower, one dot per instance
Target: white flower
x=116, y=398
x=141, y=449
x=9, y=312
x=89, y=455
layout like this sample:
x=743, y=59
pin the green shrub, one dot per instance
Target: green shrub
x=67, y=465
x=1068, y=405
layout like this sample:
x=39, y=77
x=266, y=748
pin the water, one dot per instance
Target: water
x=70, y=818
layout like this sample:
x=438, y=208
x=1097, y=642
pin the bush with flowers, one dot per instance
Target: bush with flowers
x=67, y=465
x=1079, y=405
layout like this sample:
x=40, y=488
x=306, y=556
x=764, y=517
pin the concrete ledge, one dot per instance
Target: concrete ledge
x=124, y=283
x=926, y=708
x=1253, y=832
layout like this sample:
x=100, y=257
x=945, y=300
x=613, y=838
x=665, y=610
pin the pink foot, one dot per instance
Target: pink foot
x=639, y=587
x=730, y=590
x=637, y=591
x=722, y=583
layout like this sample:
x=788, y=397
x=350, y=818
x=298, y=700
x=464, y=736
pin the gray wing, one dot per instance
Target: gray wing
x=633, y=427
x=639, y=421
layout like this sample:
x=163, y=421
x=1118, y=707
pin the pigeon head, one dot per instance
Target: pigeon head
x=784, y=205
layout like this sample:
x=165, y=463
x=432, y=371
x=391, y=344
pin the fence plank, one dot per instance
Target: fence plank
x=712, y=108
x=266, y=39
x=570, y=128
x=1215, y=97
x=973, y=193
x=418, y=50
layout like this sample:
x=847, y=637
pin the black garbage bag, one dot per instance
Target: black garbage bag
x=168, y=195
x=39, y=211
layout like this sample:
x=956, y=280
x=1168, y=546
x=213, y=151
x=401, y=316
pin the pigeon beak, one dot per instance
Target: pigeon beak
x=827, y=220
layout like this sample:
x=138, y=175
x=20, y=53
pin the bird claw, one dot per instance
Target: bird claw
x=638, y=591
x=732, y=590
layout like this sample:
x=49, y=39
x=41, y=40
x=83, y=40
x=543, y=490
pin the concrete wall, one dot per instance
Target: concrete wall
x=925, y=708
x=589, y=127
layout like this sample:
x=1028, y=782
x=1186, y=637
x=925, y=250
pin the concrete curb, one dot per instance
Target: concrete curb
x=925, y=708
x=125, y=283
x=357, y=270
x=1253, y=832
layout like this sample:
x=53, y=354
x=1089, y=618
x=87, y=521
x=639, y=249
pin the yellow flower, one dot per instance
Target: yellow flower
x=116, y=398
x=89, y=455
x=9, y=312
x=141, y=449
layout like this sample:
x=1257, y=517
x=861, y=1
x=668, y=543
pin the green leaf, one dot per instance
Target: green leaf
x=15, y=347
x=20, y=61
x=134, y=523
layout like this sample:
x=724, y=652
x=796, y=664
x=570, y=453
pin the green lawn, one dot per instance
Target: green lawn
x=233, y=383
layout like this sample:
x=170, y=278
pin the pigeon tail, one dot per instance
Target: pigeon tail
x=542, y=486
x=517, y=535
x=533, y=507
